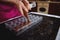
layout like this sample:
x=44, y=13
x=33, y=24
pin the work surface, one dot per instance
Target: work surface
x=40, y=30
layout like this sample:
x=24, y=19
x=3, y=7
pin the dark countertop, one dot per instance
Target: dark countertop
x=46, y=30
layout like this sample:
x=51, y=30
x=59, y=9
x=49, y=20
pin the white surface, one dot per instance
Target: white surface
x=48, y=15
x=33, y=4
x=58, y=35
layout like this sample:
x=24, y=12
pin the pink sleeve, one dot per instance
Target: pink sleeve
x=8, y=12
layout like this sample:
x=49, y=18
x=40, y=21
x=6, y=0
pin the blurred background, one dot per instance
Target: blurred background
x=47, y=28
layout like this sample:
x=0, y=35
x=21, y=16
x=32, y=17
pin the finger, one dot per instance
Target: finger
x=23, y=7
x=26, y=3
x=21, y=10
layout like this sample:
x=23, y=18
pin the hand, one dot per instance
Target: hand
x=24, y=6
